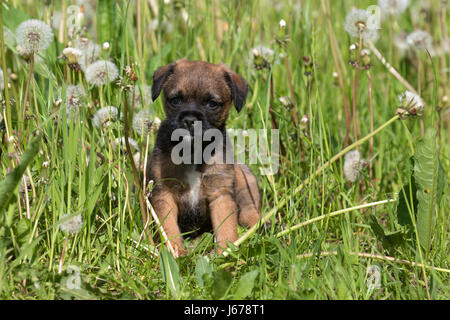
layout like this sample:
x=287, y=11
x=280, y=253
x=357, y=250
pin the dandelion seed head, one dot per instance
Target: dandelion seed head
x=143, y=121
x=142, y=96
x=90, y=52
x=410, y=104
x=357, y=22
x=71, y=225
x=33, y=36
x=420, y=40
x=75, y=95
x=105, y=116
x=393, y=7
x=101, y=72
x=353, y=165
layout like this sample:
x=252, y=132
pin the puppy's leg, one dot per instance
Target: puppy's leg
x=224, y=218
x=218, y=181
x=167, y=210
x=247, y=196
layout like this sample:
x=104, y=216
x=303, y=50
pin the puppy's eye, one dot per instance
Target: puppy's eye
x=175, y=101
x=213, y=104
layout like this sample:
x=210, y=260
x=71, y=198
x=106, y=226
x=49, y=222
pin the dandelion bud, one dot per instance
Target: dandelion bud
x=286, y=102
x=105, y=46
x=365, y=59
x=72, y=56
x=335, y=78
x=304, y=124
x=58, y=103
x=308, y=65
x=80, y=18
x=14, y=76
x=353, y=55
x=410, y=105
x=131, y=74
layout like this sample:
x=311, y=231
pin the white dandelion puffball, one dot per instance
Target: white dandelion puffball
x=143, y=121
x=393, y=7
x=2, y=80
x=420, y=40
x=263, y=51
x=361, y=21
x=101, y=72
x=104, y=116
x=71, y=225
x=352, y=165
x=411, y=102
x=75, y=95
x=33, y=36
x=142, y=96
x=400, y=43
x=90, y=52
x=121, y=142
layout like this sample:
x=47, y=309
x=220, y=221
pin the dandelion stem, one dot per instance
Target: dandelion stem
x=332, y=214
x=27, y=88
x=374, y=256
x=369, y=78
x=5, y=78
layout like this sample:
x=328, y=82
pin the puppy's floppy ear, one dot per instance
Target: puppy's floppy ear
x=238, y=86
x=159, y=77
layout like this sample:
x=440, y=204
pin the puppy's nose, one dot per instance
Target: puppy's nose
x=188, y=121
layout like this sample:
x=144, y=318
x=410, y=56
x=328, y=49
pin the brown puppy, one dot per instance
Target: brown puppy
x=204, y=194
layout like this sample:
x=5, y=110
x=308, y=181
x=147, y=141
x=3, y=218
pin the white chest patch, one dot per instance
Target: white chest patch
x=194, y=181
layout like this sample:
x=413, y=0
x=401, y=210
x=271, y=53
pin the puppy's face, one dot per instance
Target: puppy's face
x=198, y=91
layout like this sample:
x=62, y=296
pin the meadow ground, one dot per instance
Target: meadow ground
x=344, y=224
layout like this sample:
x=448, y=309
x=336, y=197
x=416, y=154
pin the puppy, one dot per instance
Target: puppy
x=206, y=194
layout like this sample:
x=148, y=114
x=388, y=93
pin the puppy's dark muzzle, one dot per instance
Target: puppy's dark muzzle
x=187, y=118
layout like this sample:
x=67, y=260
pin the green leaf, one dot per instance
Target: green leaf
x=407, y=204
x=170, y=272
x=9, y=184
x=245, y=285
x=203, y=269
x=430, y=181
x=222, y=282
x=389, y=240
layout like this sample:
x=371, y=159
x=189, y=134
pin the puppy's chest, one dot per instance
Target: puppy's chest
x=192, y=194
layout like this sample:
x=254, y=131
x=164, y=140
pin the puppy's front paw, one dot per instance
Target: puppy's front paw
x=178, y=250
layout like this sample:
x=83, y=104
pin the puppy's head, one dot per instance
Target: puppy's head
x=198, y=91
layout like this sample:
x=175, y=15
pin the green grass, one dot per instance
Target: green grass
x=328, y=258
